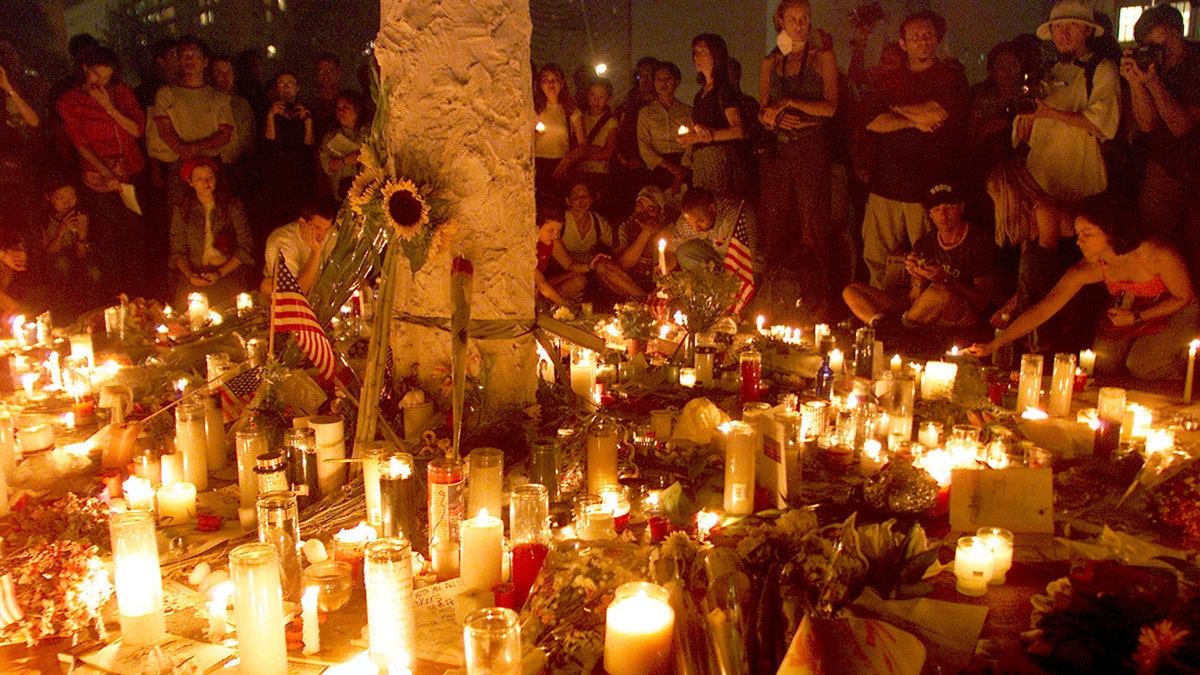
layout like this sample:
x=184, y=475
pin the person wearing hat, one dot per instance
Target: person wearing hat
x=210, y=239
x=1152, y=313
x=953, y=272
x=1079, y=110
x=1164, y=90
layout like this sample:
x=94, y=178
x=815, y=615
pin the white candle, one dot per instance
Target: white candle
x=683, y=130
x=687, y=377
x=972, y=566
x=258, y=608
x=331, y=447
x=938, y=380
x=583, y=374
x=214, y=433
x=929, y=434
x=1029, y=388
x=197, y=311
x=312, y=627
x=539, y=127
x=836, y=360
x=81, y=347
x=482, y=551
x=662, y=256
x=1087, y=359
x=485, y=481
x=139, y=494
x=1191, y=370
x=760, y=322
x=639, y=631
x=1139, y=420
x=137, y=577
x=172, y=468
x=1000, y=542
x=244, y=303
x=177, y=503
x=218, y=610
x=191, y=441
x=1062, y=384
x=896, y=364
x=739, y=469
x=389, y=583
x=871, y=459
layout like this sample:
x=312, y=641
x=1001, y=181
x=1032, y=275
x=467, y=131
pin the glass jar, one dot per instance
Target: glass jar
x=300, y=448
x=543, y=465
x=258, y=610
x=279, y=526
x=137, y=577
x=389, y=584
x=271, y=470
x=492, y=642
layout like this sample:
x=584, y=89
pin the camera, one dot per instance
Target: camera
x=1144, y=55
x=1026, y=102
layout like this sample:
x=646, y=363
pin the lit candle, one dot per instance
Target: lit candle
x=485, y=480
x=139, y=494
x=972, y=566
x=1139, y=419
x=929, y=434
x=218, y=610
x=191, y=442
x=137, y=577
x=539, y=127
x=1191, y=370
x=871, y=460
x=896, y=364
x=81, y=347
x=639, y=631
x=683, y=130
x=1029, y=388
x=390, y=624
x=258, y=610
x=583, y=372
x=1000, y=542
x=177, y=503
x=1087, y=358
x=662, y=256
x=836, y=360
x=172, y=469
x=394, y=481
x=214, y=433
x=482, y=551
x=197, y=311
x=1159, y=441
x=706, y=522
x=601, y=455
x=687, y=377
x=739, y=469
x=308, y=616
x=938, y=380
x=244, y=303
x=760, y=322
x=1062, y=384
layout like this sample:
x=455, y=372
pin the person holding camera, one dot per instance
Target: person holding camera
x=1164, y=86
x=953, y=272
x=289, y=172
x=1078, y=108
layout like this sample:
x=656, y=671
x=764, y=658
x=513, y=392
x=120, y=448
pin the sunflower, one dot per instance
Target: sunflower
x=363, y=189
x=442, y=237
x=405, y=208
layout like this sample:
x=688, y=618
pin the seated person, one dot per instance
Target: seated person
x=65, y=241
x=210, y=239
x=952, y=272
x=567, y=285
x=706, y=226
x=305, y=244
x=630, y=271
x=1152, y=314
x=585, y=232
x=12, y=261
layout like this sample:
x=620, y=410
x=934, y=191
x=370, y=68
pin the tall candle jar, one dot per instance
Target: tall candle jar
x=446, y=503
x=258, y=610
x=973, y=566
x=1062, y=384
x=214, y=433
x=864, y=352
x=370, y=453
x=750, y=371
x=249, y=444
x=485, y=481
x=529, y=534
x=1110, y=412
x=583, y=372
x=191, y=440
x=543, y=465
x=1029, y=388
x=492, y=642
x=397, y=515
x=300, y=449
x=279, y=526
x=331, y=448
x=601, y=454
x=389, y=584
x=639, y=631
x=739, y=469
x=271, y=472
x=1000, y=541
x=137, y=577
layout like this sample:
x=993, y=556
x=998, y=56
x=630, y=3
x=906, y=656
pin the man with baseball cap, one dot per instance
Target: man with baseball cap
x=1079, y=108
x=1164, y=90
x=953, y=272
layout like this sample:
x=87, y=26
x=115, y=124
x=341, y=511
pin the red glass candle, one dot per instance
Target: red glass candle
x=751, y=372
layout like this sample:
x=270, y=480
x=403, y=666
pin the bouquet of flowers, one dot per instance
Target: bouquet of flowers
x=705, y=295
x=635, y=321
x=59, y=586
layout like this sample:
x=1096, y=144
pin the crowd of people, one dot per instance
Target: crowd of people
x=1053, y=203
x=198, y=179
x=896, y=193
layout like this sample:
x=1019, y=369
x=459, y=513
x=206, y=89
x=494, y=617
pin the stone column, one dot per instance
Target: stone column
x=462, y=102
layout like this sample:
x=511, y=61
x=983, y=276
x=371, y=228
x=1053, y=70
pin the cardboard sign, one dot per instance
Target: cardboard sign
x=1020, y=500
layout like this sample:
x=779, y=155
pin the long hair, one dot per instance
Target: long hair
x=564, y=95
x=1109, y=212
x=1013, y=191
x=720, y=56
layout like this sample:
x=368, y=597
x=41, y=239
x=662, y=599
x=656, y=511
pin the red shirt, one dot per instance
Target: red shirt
x=88, y=125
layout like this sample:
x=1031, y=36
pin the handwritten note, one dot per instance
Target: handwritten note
x=1021, y=500
x=440, y=635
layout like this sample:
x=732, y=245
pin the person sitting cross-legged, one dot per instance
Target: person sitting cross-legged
x=953, y=272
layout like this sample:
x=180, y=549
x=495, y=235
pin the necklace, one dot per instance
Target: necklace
x=948, y=246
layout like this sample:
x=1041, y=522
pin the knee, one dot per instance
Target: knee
x=853, y=293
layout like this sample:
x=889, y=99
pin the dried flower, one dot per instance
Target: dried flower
x=1155, y=644
x=405, y=208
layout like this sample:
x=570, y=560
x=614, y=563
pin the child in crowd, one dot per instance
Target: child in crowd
x=71, y=263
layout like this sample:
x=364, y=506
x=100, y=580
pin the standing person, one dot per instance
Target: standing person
x=798, y=95
x=994, y=104
x=916, y=117
x=627, y=167
x=287, y=176
x=1165, y=95
x=210, y=241
x=559, y=128
x=190, y=118
x=717, y=128
x=19, y=123
x=1080, y=108
x=590, y=160
x=658, y=131
x=323, y=103
x=238, y=154
x=104, y=121
x=340, y=146
x=1152, y=313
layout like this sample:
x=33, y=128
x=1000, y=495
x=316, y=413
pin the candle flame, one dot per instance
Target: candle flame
x=483, y=513
x=539, y=127
x=1195, y=344
x=1032, y=413
x=683, y=130
x=662, y=244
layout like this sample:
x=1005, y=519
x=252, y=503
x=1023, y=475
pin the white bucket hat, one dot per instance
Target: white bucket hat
x=1070, y=10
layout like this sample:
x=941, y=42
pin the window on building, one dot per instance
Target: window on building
x=1129, y=15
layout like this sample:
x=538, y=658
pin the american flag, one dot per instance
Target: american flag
x=291, y=312
x=237, y=392
x=738, y=261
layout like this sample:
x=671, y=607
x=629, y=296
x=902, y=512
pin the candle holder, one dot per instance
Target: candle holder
x=1000, y=542
x=1062, y=385
x=371, y=452
x=330, y=432
x=191, y=441
x=300, y=449
x=1029, y=387
x=397, y=512
x=279, y=526
x=601, y=454
x=249, y=445
x=333, y=581
x=492, y=642
x=973, y=565
x=214, y=432
x=750, y=370
x=616, y=501
x=485, y=480
x=258, y=609
x=639, y=631
x=137, y=577
x=543, y=465
x=482, y=551
x=529, y=534
x=929, y=434
x=445, y=478
x=1110, y=413
x=388, y=575
x=739, y=469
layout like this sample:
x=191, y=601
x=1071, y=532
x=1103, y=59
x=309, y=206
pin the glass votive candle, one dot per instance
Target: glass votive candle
x=929, y=434
x=1000, y=541
x=333, y=583
x=973, y=566
x=639, y=630
x=492, y=642
x=687, y=377
x=616, y=500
